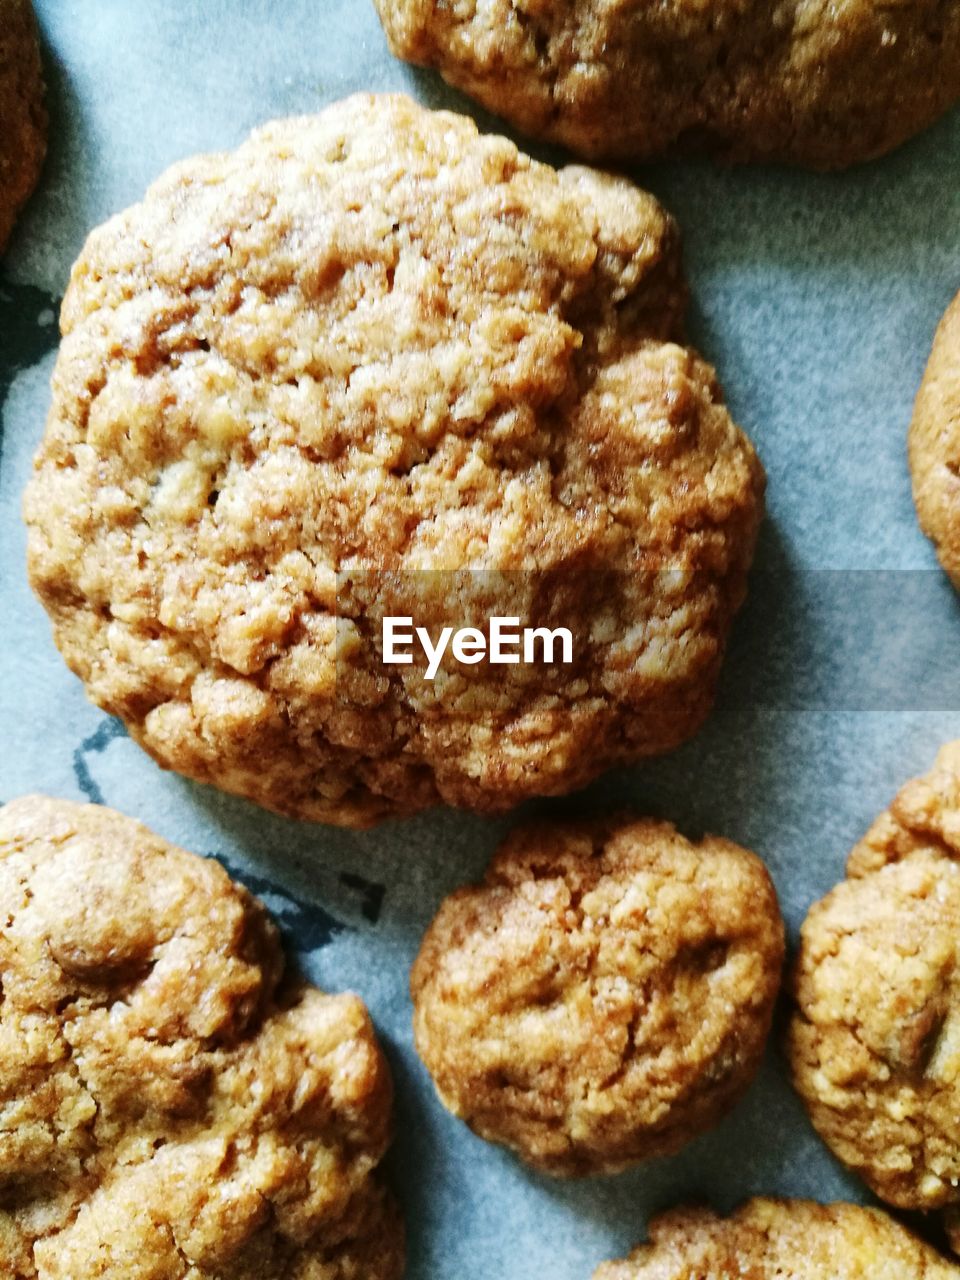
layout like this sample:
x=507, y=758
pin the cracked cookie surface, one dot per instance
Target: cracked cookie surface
x=780, y=1240
x=603, y=996
x=804, y=82
x=170, y=1108
x=374, y=343
x=23, y=117
x=935, y=445
x=875, y=1040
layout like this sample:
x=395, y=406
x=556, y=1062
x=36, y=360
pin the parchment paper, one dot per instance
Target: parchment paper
x=817, y=298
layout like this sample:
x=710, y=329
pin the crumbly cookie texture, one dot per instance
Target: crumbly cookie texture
x=804, y=82
x=23, y=117
x=603, y=996
x=364, y=345
x=169, y=1110
x=875, y=1040
x=780, y=1240
x=935, y=445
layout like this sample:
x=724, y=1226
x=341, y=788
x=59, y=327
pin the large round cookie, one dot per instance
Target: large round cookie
x=874, y=1042
x=805, y=82
x=23, y=120
x=935, y=444
x=780, y=1240
x=170, y=1107
x=305, y=382
x=604, y=996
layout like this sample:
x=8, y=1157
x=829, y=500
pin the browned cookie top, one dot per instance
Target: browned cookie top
x=604, y=995
x=366, y=342
x=780, y=1240
x=169, y=1110
x=875, y=1040
x=935, y=444
x=23, y=119
x=802, y=81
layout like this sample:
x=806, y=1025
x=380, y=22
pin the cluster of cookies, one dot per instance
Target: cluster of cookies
x=606, y=994
x=373, y=362
x=603, y=997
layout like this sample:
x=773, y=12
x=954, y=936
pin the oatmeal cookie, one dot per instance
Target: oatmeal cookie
x=803, y=82
x=875, y=1040
x=170, y=1109
x=23, y=119
x=935, y=445
x=603, y=996
x=365, y=353
x=781, y=1240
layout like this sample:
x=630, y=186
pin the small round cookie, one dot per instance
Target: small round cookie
x=170, y=1107
x=23, y=119
x=781, y=1240
x=874, y=1043
x=603, y=996
x=935, y=445
x=803, y=82
x=375, y=365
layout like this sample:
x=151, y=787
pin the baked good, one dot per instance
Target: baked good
x=373, y=365
x=874, y=1042
x=172, y=1108
x=603, y=996
x=812, y=84
x=23, y=118
x=781, y=1240
x=935, y=445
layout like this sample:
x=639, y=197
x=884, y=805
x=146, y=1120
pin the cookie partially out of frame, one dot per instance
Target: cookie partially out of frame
x=804, y=82
x=23, y=118
x=307, y=384
x=603, y=996
x=780, y=1240
x=874, y=1042
x=935, y=445
x=170, y=1107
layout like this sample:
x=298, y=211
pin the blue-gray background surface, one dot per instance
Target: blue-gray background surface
x=817, y=298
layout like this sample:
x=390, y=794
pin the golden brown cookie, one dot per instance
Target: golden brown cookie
x=23, y=118
x=804, y=82
x=603, y=996
x=875, y=1041
x=780, y=1240
x=170, y=1107
x=935, y=445
x=366, y=350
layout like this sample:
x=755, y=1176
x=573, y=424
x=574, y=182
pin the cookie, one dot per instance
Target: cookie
x=309, y=380
x=811, y=84
x=780, y=1240
x=935, y=445
x=874, y=1042
x=23, y=118
x=172, y=1108
x=603, y=996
